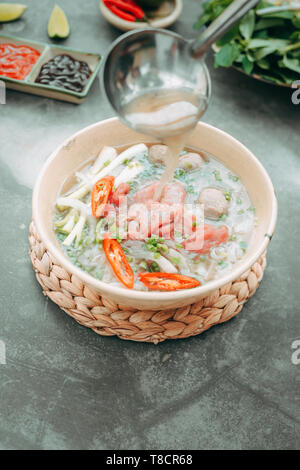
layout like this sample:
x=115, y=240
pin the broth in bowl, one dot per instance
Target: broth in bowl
x=113, y=222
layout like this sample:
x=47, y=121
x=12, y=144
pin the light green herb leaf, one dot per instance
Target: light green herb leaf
x=202, y=20
x=247, y=65
x=275, y=43
x=265, y=23
x=292, y=64
x=264, y=52
x=263, y=64
x=247, y=24
x=232, y=34
x=227, y=55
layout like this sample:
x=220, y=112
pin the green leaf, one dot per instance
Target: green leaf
x=270, y=78
x=227, y=55
x=250, y=56
x=288, y=76
x=263, y=64
x=247, y=24
x=277, y=43
x=295, y=54
x=291, y=64
x=265, y=23
x=247, y=65
x=275, y=11
x=240, y=58
x=264, y=52
x=295, y=36
x=263, y=4
x=263, y=34
x=287, y=15
x=202, y=20
x=211, y=10
x=231, y=34
x=296, y=21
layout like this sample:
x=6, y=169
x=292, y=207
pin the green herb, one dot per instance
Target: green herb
x=106, y=163
x=223, y=217
x=233, y=177
x=133, y=185
x=222, y=264
x=251, y=209
x=151, y=248
x=267, y=38
x=243, y=245
x=143, y=265
x=98, y=273
x=154, y=268
x=190, y=189
x=201, y=259
x=217, y=175
x=189, y=166
x=175, y=260
x=60, y=235
x=179, y=173
x=227, y=55
x=241, y=211
x=227, y=195
x=163, y=247
x=157, y=255
x=178, y=246
x=233, y=238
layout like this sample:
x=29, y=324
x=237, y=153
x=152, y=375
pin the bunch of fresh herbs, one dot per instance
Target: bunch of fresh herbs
x=265, y=42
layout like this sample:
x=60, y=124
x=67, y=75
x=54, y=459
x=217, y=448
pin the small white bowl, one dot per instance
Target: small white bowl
x=124, y=25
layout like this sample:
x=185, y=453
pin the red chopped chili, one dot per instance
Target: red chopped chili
x=17, y=61
x=128, y=11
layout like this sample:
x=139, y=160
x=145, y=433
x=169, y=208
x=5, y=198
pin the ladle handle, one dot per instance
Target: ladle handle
x=235, y=11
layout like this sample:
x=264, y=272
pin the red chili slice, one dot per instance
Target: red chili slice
x=118, y=195
x=101, y=192
x=168, y=281
x=120, y=13
x=118, y=261
x=130, y=7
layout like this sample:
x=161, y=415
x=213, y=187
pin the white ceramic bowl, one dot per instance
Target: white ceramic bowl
x=87, y=143
x=124, y=25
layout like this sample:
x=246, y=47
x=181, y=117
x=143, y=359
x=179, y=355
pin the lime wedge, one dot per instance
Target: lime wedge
x=58, y=26
x=11, y=11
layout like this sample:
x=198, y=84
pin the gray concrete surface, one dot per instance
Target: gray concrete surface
x=64, y=387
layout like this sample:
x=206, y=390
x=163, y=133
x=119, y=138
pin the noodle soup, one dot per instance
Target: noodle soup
x=112, y=223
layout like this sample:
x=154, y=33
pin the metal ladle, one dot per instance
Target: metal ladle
x=155, y=59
